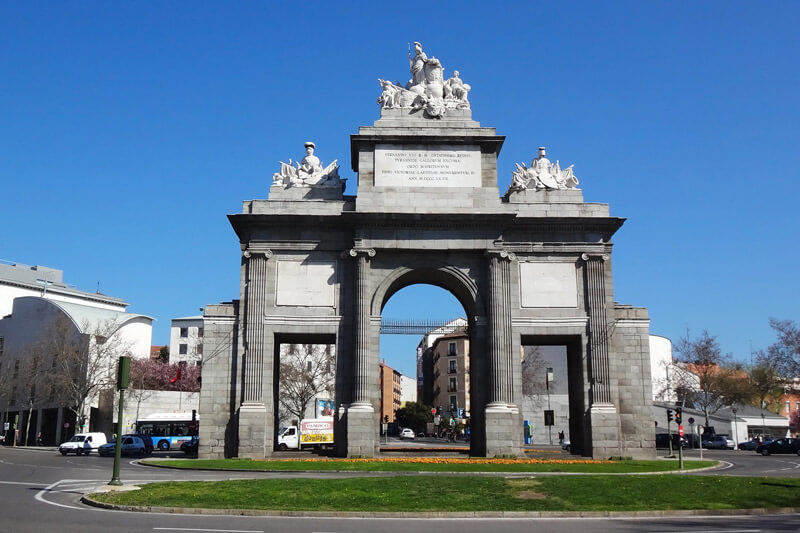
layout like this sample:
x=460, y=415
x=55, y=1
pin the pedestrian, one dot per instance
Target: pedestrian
x=561, y=437
x=39, y=440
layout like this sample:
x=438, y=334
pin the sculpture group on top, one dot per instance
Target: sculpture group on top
x=308, y=172
x=427, y=89
x=542, y=175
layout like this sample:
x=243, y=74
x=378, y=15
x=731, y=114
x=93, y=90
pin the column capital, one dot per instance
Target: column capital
x=248, y=253
x=595, y=256
x=354, y=252
x=501, y=254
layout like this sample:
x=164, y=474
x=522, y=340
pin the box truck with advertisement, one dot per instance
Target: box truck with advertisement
x=312, y=433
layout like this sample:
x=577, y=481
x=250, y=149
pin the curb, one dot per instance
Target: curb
x=441, y=514
x=388, y=473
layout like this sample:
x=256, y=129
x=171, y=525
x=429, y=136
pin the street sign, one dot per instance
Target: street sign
x=691, y=420
x=680, y=431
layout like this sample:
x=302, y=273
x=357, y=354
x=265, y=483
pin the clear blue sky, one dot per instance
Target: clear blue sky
x=129, y=131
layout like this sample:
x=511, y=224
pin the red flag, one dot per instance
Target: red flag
x=177, y=376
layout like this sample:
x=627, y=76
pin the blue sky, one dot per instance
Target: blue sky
x=129, y=131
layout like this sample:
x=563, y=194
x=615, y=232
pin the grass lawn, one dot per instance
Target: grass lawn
x=451, y=493
x=431, y=464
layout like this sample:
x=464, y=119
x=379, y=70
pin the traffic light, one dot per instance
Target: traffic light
x=669, y=415
x=678, y=413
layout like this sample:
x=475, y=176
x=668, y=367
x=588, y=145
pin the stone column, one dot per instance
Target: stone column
x=361, y=424
x=502, y=437
x=254, y=438
x=598, y=328
x=604, y=421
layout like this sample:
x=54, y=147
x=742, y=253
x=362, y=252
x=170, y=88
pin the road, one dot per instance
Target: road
x=40, y=492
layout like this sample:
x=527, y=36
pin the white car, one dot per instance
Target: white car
x=407, y=433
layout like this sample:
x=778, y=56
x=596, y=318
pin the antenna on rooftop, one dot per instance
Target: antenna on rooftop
x=98, y=287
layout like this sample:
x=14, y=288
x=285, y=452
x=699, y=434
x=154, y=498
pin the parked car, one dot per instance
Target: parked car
x=131, y=445
x=752, y=444
x=407, y=433
x=565, y=446
x=719, y=442
x=662, y=441
x=787, y=445
x=190, y=446
x=83, y=443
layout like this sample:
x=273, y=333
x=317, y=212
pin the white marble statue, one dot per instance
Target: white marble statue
x=542, y=175
x=309, y=172
x=426, y=90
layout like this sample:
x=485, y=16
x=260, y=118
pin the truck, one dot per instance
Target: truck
x=312, y=433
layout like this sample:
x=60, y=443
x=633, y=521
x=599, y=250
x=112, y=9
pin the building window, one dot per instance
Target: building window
x=183, y=349
x=2, y=345
x=453, y=403
x=184, y=332
x=199, y=332
x=16, y=372
x=451, y=348
x=788, y=407
x=797, y=406
x=452, y=386
x=13, y=399
x=199, y=349
x=452, y=369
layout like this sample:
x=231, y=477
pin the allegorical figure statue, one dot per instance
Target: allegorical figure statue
x=309, y=172
x=542, y=175
x=426, y=90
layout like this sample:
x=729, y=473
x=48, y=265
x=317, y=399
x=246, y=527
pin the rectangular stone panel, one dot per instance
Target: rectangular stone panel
x=427, y=166
x=548, y=284
x=306, y=283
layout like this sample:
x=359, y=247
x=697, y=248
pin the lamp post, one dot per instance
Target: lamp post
x=548, y=379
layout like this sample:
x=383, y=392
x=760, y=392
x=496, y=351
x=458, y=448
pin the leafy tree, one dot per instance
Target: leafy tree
x=414, y=415
x=766, y=383
x=163, y=354
x=34, y=387
x=306, y=371
x=785, y=352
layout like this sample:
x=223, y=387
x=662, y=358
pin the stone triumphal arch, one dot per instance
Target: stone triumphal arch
x=532, y=266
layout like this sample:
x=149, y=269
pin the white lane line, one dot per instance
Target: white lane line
x=40, y=497
x=18, y=483
x=213, y=530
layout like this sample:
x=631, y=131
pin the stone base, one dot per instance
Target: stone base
x=361, y=431
x=503, y=436
x=561, y=196
x=253, y=441
x=605, y=431
x=296, y=194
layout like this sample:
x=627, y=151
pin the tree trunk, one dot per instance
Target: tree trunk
x=28, y=426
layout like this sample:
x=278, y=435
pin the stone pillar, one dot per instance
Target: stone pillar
x=254, y=439
x=502, y=435
x=603, y=414
x=361, y=423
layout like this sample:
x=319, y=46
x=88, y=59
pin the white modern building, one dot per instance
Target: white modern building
x=37, y=306
x=186, y=340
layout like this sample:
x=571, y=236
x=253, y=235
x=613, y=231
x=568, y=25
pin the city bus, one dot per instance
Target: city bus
x=168, y=430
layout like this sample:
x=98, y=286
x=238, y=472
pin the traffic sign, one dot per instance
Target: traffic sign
x=691, y=420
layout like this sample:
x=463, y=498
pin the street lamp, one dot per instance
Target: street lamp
x=548, y=379
x=735, y=430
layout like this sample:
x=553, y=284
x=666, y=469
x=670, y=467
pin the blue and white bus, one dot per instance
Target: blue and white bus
x=167, y=430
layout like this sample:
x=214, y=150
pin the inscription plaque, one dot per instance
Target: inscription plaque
x=427, y=166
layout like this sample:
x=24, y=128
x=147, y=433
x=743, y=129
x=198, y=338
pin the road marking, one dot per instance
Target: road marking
x=40, y=496
x=18, y=483
x=213, y=530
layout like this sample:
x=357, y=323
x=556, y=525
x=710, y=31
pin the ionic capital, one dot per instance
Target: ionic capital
x=247, y=253
x=595, y=256
x=501, y=254
x=354, y=252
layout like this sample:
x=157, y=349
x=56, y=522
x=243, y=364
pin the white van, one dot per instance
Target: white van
x=83, y=443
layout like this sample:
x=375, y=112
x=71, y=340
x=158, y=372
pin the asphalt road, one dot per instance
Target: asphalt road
x=40, y=492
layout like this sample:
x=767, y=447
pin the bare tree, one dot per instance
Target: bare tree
x=534, y=380
x=306, y=371
x=33, y=387
x=702, y=378
x=83, y=368
x=784, y=354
